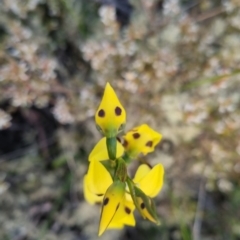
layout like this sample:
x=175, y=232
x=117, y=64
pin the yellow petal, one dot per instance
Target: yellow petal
x=111, y=203
x=144, y=211
x=89, y=196
x=152, y=182
x=141, y=139
x=142, y=171
x=110, y=115
x=100, y=152
x=98, y=178
x=115, y=225
x=124, y=215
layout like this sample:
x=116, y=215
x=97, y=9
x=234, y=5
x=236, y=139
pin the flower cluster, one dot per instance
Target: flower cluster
x=107, y=180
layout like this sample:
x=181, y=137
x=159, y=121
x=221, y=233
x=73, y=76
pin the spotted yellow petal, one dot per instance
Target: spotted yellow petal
x=100, y=152
x=111, y=203
x=89, y=196
x=141, y=139
x=152, y=182
x=145, y=213
x=124, y=215
x=110, y=116
x=98, y=178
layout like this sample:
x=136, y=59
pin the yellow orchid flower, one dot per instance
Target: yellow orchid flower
x=148, y=184
x=108, y=181
x=110, y=116
x=141, y=139
x=100, y=152
x=97, y=185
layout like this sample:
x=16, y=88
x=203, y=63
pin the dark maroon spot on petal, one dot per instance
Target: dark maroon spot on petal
x=105, y=202
x=142, y=205
x=119, y=139
x=149, y=144
x=125, y=143
x=99, y=194
x=127, y=210
x=136, y=135
x=118, y=111
x=101, y=113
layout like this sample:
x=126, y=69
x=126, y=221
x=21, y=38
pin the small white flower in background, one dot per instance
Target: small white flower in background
x=107, y=14
x=4, y=119
x=62, y=113
x=171, y=7
x=225, y=185
x=3, y=187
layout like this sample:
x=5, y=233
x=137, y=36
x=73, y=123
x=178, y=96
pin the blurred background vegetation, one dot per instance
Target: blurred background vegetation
x=175, y=65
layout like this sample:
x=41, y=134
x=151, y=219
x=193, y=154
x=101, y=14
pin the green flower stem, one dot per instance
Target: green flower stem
x=112, y=147
x=126, y=158
x=112, y=163
x=121, y=171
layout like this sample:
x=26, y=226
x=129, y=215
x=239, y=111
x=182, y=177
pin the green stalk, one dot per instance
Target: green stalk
x=112, y=147
x=121, y=172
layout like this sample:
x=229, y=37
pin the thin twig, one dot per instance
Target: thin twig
x=210, y=14
x=197, y=225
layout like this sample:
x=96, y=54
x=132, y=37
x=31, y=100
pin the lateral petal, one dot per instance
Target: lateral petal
x=152, y=182
x=89, y=196
x=98, y=178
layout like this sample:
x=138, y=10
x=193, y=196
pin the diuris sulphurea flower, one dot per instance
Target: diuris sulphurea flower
x=146, y=184
x=107, y=181
x=141, y=139
x=100, y=187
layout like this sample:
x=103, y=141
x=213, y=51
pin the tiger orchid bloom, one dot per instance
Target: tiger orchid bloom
x=107, y=181
x=117, y=209
x=145, y=191
x=141, y=139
